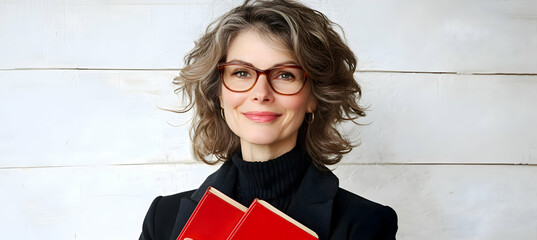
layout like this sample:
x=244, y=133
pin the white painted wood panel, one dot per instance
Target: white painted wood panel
x=401, y=35
x=99, y=34
x=66, y=118
x=92, y=202
x=455, y=36
x=109, y=202
x=447, y=118
x=452, y=202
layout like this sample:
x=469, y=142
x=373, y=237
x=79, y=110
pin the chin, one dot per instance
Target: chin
x=262, y=137
x=260, y=140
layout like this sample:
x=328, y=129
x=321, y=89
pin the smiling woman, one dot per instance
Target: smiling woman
x=268, y=83
x=265, y=121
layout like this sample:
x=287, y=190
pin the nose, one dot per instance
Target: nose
x=262, y=92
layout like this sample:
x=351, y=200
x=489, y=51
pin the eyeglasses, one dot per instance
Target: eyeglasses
x=284, y=79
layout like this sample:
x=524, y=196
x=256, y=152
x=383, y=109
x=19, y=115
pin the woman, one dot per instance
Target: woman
x=268, y=83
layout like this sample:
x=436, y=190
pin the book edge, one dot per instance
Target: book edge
x=286, y=217
x=227, y=199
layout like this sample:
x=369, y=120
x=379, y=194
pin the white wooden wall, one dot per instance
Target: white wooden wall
x=451, y=85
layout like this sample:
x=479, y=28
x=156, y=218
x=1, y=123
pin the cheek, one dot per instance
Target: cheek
x=230, y=100
x=297, y=108
x=299, y=103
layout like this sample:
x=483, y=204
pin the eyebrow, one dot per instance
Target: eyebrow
x=275, y=65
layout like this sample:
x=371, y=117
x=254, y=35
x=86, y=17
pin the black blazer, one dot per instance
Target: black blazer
x=332, y=212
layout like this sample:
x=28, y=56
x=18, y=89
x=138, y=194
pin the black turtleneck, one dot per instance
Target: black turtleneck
x=274, y=181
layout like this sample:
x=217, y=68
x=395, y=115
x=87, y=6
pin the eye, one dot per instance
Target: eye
x=286, y=76
x=241, y=74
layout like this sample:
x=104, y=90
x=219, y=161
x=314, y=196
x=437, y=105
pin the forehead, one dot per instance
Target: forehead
x=258, y=49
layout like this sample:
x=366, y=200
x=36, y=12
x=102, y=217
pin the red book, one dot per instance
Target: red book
x=262, y=221
x=215, y=217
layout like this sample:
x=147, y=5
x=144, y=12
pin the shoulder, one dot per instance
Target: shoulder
x=171, y=202
x=161, y=216
x=167, y=206
x=358, y=205
x=360, y=218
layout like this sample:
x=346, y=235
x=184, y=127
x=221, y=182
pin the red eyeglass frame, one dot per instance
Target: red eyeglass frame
x=259, y=72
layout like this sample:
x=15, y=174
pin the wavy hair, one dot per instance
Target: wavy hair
x=318, y=48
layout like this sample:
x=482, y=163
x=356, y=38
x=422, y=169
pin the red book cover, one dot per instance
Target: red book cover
x=215, y=217
x=263, y=221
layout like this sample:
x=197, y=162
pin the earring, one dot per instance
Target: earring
x=310, y=120
x=222, y=114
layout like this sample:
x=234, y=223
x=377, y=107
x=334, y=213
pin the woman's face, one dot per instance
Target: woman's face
x=261, y=116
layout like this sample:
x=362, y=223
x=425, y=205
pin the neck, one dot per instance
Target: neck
x=263, y=152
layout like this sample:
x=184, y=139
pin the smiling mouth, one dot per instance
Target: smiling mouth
x=262, y=117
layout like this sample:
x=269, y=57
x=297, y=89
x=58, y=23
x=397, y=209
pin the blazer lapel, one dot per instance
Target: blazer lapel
x=312, y=205
x=223, y=179
x=185, y=210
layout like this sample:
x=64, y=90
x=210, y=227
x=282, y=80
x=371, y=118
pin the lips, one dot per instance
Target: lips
x=262, y=117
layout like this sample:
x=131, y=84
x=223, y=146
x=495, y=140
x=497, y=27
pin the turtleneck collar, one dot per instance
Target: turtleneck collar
x=274, y=181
